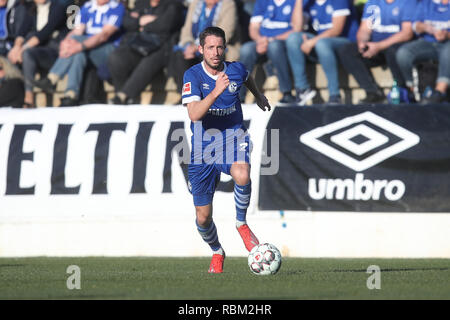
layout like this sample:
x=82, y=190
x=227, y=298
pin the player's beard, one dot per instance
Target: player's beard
x=219, y=66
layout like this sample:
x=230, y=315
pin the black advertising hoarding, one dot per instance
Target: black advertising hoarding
x=360, y=158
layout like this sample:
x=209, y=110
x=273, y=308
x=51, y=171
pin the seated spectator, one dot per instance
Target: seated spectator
x=14, y=25
x=200, y=15
x=385, y=26
x=335, y=25
x=270, y=25
x=39, y=50
x=94, y=37
x=131, y=70
x=11, y=85
x=432, y=24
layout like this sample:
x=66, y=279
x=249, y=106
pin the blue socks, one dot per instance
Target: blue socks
x=209, y=235
x=242, y=200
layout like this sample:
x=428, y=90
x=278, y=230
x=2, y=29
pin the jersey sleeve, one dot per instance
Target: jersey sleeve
x=258, y=11
x=83, y=16
x=191, y=88
x=419, y=15
x=115, y=16
x=242, y=70
x=341, y=8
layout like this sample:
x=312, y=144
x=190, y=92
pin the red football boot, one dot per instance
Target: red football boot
x=248, y=237
x=216, y=265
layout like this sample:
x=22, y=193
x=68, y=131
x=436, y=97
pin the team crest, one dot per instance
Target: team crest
x=287, y=10
x=232, y=87
x=396, y=11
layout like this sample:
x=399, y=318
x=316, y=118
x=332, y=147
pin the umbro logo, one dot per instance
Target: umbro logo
x=360, y=142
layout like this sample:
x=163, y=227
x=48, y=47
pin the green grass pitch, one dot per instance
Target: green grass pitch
x=186, y=278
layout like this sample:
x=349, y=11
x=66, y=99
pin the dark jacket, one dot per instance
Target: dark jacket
x=169, y=21
x=56, y=22
x=18, y=23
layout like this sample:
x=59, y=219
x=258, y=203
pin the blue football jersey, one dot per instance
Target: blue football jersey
x=386, y=18
x=225, y=115
x=321, y=15
x=226, y=112
x=95, y=17
x=274, y=16
x=435, y=13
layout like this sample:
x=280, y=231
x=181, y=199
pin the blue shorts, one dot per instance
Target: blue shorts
x=204, y=177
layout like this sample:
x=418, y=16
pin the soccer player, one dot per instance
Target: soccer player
x=211, y=94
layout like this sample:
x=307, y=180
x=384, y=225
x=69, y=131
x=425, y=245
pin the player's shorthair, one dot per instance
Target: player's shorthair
x=212, y=31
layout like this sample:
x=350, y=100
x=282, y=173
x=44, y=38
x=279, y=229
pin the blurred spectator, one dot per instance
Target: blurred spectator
x=39, y=49
x=270, y=25
x=385, y=26
x=11, y=85
x=432, y=24
x=335, y=25
x=202, y=14
x=145, y=49
x=15, y=23
x=94, y=37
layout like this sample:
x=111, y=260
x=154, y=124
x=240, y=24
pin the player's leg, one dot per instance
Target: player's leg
x=207, y=228
x=240, y=171
x=208, y=231
x=202, y=181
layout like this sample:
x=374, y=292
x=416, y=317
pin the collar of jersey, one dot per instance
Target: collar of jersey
x=211, y=75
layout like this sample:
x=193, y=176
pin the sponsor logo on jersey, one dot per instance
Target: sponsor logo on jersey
x=186, y=88
x=222, y=112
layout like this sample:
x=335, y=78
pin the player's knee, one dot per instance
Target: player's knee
x=241, y=174
x=204, y=217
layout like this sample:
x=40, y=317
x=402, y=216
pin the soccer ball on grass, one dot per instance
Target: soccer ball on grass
x=264, y=259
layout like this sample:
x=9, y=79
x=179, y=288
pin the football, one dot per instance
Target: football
x=264, y=259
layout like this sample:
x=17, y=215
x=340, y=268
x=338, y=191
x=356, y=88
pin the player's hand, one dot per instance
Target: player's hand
x=14, y=55
x=190, y=51
x=146, y=19
x=307, y=45
x=263, y=103
x=372, y=50
x=362, y=46
x=262, y=45
x=222, y=83
x=440, y=35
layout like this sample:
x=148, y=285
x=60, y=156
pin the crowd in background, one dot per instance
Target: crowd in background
x=43, y=41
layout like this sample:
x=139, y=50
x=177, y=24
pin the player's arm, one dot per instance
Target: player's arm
x=405, y=34
x=363, y=35
x=297, y=16
x=198, y=109
x=261, y=99
x=100, y=38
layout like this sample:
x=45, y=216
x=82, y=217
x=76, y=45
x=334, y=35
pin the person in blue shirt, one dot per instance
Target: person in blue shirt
x=270, y=25
x=95, y=36
x=220, y=142
x=335, y=24
x=432, y=24
x=386, y=25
